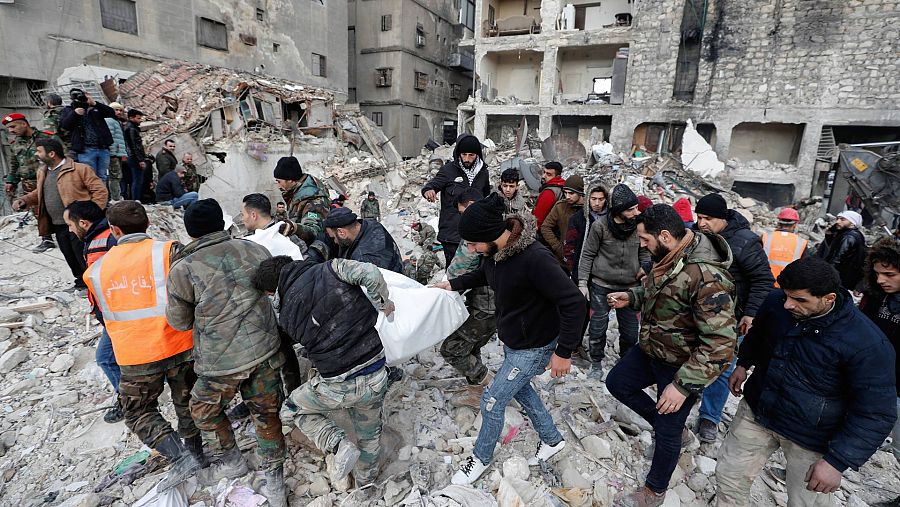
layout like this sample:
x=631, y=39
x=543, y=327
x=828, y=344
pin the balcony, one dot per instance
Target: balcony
x=461, y=61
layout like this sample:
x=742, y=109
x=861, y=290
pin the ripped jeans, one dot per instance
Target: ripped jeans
x=513, y=380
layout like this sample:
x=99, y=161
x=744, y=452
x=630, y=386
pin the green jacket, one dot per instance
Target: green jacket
x=464, y=261
x=307, y=205
x=425, y=236
x=23, y=163
x=370, y=209
x=688, y=316
x=211, y=290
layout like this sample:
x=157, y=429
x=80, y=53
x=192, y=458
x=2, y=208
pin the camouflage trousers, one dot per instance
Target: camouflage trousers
x=115, y=177
x=462, y=349
x=139, y=396
x=261, y=390
x=310, y=404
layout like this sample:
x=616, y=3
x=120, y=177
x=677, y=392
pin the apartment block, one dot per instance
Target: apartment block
x=777, y=81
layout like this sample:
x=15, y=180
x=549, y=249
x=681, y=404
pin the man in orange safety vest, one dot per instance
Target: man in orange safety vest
x=783, y=245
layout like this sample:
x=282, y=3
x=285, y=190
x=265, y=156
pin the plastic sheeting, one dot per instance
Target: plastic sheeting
x=275, y=242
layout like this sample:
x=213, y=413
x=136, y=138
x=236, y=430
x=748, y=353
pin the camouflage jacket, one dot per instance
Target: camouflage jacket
x=211, y=290
x=688, y=315
x=51, y=124
x=370, y=209
x=191, y=178
x=425, y=236
x=464, y=261
x=23, y=163
x=425, y=266
x=307, y=205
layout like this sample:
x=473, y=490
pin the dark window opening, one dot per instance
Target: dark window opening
x=318, y=65
x=386, y=23
x=119, y=15
x=260, y=15
x=687, y=65
x=383, y=77
x=275, y=47
x=421, y=80
x=416, y=121
x=378, y=119
x=212, y=34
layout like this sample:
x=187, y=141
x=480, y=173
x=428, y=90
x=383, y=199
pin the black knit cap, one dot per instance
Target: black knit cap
x=712, y=205
x=469, y=144
x=288, y=168
x=483, y=221
x=340, y=217
x=204, y=217
x=621, y=198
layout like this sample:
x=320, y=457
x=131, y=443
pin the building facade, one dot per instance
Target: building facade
x=777, y=81
x=407, y=72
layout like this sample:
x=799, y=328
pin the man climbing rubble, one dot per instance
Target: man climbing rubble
x=466, y=170
x=823, y=389
x=556, y=224
x=325, y=309
x=149, y=351
x=540, y=316
x=236, y=340
x=88, y=222
x=307, y=198
x=687, y=339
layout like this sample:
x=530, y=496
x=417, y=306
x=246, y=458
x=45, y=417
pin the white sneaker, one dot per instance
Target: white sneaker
x=545, y=452
x=345, y=459
x=470, y=470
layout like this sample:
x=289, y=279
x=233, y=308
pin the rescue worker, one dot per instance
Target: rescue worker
x=424, y=234
x=326, y=310
x=306, y=197
x=236, y=337
x=128, y=285
x=191, y=178
x=783, y=245
x=362, y=240
x=369, y=209
x=24, y=163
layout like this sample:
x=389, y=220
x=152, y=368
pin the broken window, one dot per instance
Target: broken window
x=386, y=23
x=318, y=65
x=383, y=77
x=212, y=34
x=420, y=36
x=687, y=66
x=416, y=121
x=455, y=89
x=421, y=80
x=119, y=15
x=378, y=119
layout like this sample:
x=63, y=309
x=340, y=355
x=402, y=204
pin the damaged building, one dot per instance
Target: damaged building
x=774, y=87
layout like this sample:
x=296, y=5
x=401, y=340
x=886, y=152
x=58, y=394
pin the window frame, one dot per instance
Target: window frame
x=109, y=19
x=211, y=23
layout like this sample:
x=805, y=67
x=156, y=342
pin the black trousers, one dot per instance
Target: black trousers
x=72, y=249
x=449, y=251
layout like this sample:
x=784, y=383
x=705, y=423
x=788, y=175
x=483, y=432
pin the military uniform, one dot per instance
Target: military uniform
x=51, y=124
x=24, y=162
x=191, y=179
x=307, y=205
x=425, y=236
x=370, y=209
x=462, y=349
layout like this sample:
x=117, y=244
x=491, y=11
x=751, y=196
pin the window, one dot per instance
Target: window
x=420, y=36
x=455, y=89
x=119, y=15
x=318, y=65
x=386, y=23
x=260, y=15
x=416, y=121
x=275, y=47
x=421, y=80
x=467, y=14
x=383, y=77
x=378, y=119
x=492, y=15
x=212, y=34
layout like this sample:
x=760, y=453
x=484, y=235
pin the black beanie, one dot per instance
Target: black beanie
x=483, y=221
x=469, y=144
x=204, y=217
x=712, y=205
x=288, y=168
x=339, y=217
x=621, y=198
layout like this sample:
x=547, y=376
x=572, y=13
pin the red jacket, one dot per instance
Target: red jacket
x=547, y=199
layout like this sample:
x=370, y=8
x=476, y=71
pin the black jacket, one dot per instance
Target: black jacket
x=846, y=251
x=827, y=383
x=374, y=245
x=884, y=311
x=333, y=320
x=750, y=268
x=165, y=162
x=451, y=181
x=536, y=301
x=73, y=122
x=134, y=145
x=169, y=187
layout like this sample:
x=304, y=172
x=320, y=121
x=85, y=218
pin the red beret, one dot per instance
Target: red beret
x=13, y=117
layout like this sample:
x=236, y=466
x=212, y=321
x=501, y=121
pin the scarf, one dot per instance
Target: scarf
x=663, y=266
x=620, y=231
x=471, y=173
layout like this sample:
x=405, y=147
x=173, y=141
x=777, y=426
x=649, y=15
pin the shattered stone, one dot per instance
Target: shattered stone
x=12, y=358
x=516, y=467
x=597, y=447
x=706, y=465
x=61, y=363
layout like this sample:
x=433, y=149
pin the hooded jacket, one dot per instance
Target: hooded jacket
x=556, y=226
x=74, y=123
x=688, y=314
x=846, y=251
x=374, y=245
x=536, y=301
x=579, y=225
x=749, y=268
x=608, y=261
x=826, y=383
x=451, y=181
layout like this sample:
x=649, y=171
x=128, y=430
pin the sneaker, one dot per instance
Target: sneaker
x=344, y=459
x=394, y=374
x=114, y=414
x=43, y=246
x=707, y=431
x=469, y=472
x=644, y=497
x=545, y=452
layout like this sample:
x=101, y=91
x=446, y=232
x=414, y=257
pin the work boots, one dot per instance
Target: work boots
x=183, y=462
x=114, y=414
x=194, y=445
x=644, y=497
x=231, y=465
x=273, y=489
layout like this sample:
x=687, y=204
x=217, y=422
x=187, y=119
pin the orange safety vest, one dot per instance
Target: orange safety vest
x=97, y=247
x=782, y=248
x=129, y=286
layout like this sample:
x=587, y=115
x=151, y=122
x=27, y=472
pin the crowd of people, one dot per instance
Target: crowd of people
x=705, y=308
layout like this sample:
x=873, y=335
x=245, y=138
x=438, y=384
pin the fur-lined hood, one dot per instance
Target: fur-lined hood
x=521, y=237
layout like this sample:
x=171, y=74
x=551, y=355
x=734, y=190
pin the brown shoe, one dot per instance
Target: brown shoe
x=644, y=497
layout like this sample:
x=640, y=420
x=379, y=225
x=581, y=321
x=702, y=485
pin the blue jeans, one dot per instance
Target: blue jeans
x=513, y=380
x=628, y=325
x=184, y=201
x=106, y=360
x=98, y=158
x=715, y=396
x=137, y=179
x=634, y=372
